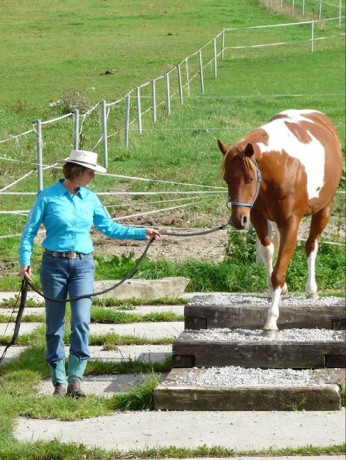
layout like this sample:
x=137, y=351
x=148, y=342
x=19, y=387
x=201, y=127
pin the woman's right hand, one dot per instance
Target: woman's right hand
x=25, y=272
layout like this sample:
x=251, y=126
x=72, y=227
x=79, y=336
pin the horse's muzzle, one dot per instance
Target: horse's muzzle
x=241, y=222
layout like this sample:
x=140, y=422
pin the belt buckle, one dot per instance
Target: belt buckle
x=72, y=255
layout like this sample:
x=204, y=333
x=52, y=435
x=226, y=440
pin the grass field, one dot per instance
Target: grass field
x=52, y=49
x=59, y=50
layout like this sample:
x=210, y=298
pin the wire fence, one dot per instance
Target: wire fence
x=104, y=123
x=316, y=9
x=127, y=114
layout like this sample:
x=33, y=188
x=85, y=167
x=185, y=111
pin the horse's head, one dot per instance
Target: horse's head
x=241, y=173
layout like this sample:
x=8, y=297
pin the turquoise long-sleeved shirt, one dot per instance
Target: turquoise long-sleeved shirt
x=68, y=221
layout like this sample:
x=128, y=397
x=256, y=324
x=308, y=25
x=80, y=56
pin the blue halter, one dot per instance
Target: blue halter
x=249, y=205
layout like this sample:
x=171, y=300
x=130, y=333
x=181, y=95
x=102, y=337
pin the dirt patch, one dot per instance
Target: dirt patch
x=210, y=247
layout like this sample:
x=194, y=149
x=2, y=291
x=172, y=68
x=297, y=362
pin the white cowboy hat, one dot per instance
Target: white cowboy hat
x=84, y=158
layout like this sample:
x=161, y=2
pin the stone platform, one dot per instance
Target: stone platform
x=250, y=312
x=248, y=349
x=225, y=330
x=184, y=389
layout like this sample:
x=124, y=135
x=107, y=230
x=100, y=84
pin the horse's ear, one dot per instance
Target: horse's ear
x=249, y=151
x=223, y=148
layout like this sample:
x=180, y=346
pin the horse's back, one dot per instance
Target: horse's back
x=309, y=137
x=319, y=119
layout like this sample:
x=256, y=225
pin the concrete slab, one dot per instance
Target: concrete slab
x=27, y=311
x=145, y=353
x=234, y=430
x=32, y=295
x=12, y=353
x=147, y=309
x=7, y=329
x=139, y=310
x=101, y=385
x=143, y=289
x=142, y=330
x=320, y=457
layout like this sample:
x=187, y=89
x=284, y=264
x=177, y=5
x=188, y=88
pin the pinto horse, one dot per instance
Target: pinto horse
x=286, y=169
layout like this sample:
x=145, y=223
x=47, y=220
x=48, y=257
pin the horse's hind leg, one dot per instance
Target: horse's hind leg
x=318, y=224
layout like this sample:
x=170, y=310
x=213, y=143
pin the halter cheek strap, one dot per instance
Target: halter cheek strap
x=259, y=180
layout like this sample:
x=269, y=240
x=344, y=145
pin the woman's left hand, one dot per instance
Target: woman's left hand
x=152, y=233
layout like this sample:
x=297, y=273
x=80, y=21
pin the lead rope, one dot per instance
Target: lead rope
x=133, y=271
x=23, y=293
x=130, y=274
x=203, y=232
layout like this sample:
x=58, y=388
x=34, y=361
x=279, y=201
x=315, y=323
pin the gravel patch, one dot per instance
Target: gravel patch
x=239, y=376
x=236, y=376
x=224, y=299
x=286, y=335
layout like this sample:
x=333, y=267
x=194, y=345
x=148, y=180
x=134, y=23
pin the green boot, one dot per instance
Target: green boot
x=58, y=374
x=76, y=369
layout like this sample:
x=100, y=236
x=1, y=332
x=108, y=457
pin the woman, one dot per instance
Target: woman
x=67, y=210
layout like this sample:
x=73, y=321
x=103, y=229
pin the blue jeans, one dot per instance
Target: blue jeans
x=62, y=277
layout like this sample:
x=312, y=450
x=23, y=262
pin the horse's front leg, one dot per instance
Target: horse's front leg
x=266, y=246
x=288, y=238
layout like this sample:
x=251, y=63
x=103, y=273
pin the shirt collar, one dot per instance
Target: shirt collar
x=61, y=190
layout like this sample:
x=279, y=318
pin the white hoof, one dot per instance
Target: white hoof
x=312, y=295
x=284, y=289
x=270, y=334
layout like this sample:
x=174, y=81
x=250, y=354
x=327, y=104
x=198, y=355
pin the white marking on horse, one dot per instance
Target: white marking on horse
x=311, y=154
x=273, y=312
x=311, y=285
x=268, y=255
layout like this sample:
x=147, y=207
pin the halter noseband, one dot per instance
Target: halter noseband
x=249, y=205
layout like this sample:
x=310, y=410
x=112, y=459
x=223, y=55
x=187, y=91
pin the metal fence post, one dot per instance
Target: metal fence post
x=187, y=77
x=127, y=120
x=181, y=95
x=215, y=57
x=223, y=45
x=201, y=70
x=139, y=110
x=168, y=95
x=153, y=96
x=320, y=10
x=104, y=133
x=75, y=129
x=38, y=126
x=312, y=36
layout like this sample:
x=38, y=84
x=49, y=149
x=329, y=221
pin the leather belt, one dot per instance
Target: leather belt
x=67, y=255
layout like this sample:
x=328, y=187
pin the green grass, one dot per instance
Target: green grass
x=107, y=315
x=52, y=50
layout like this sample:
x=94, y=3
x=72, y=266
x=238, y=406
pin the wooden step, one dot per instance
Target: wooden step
x=177, y=393
x=196, y=348
x=234, y=311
